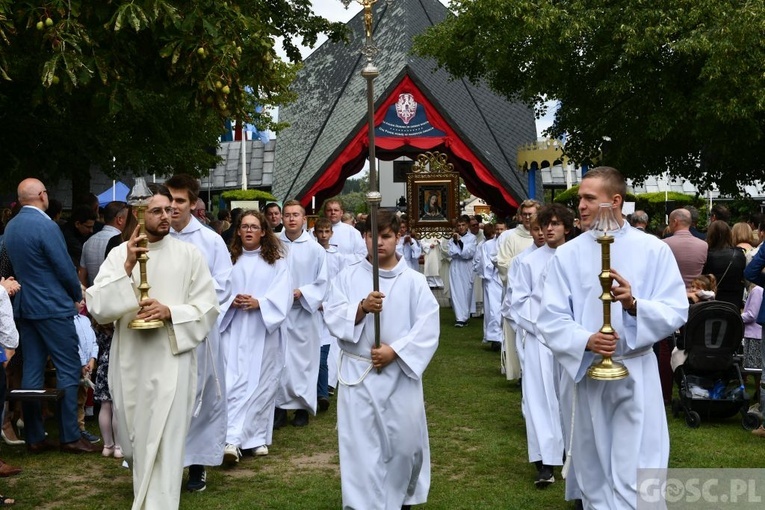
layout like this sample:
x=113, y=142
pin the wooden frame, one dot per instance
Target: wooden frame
x=432, y=202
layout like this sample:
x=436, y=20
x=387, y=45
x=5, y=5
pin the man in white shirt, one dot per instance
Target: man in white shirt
x=94, y=249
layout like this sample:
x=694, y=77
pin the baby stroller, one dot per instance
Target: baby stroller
x=710, y=381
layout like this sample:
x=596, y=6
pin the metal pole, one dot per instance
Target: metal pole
x=373, y=196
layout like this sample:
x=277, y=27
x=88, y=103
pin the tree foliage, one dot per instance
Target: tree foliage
x=143, y=85
x=647, y=86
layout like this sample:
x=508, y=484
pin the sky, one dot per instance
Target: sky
x=334, y=10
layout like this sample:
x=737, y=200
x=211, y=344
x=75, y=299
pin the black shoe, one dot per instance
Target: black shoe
x=323, y=403
x=300, y=419
x=280, y=418
x=544, y=477
x=578, y=505
x=496, y=346
x=331, y=391
x=197, y=478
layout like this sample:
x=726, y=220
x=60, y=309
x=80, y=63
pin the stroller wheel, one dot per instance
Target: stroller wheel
x=693, y=420
x=750, y=421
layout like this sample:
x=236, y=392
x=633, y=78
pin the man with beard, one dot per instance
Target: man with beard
x=152, y=372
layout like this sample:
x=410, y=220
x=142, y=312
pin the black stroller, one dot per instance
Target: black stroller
x=710, y=381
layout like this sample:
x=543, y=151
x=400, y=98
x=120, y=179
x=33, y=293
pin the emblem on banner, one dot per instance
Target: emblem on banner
x=406, y=107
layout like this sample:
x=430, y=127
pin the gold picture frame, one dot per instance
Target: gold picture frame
x=432, y=196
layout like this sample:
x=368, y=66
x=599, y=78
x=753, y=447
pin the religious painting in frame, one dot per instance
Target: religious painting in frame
x=432, y=196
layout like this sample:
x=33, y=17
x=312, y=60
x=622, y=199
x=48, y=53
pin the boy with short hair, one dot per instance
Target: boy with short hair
x=308, y=268
x=381, y=425
x=322, y=230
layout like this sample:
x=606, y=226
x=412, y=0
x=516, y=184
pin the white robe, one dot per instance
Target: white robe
x=461, y=275
x=410, y=252
x=492, y=291
x=511, y=244
x=476, y=306
x=302, y=336
x=381, y=425
x=512, y=348
x=620, y=426
x=252, y=341
x=348, y=241
x=207, y=432
x=336, y=262
x=152, y=373
x=544, y=432
x=431, y=247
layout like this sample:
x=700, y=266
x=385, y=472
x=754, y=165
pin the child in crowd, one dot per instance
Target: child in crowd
x=88, y=349
x=381, y=425
x=703, y=288
x=753, y=339
x=322, y=229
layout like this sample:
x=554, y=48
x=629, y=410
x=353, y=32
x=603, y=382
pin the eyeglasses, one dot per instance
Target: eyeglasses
x=248, y=228
x=159, y=211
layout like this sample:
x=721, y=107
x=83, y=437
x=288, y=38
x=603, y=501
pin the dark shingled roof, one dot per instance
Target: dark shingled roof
x=228, y=173
x=331, y=107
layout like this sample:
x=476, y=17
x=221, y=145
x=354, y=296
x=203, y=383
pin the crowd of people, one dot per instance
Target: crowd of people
x=241, y=325
x=255, y=320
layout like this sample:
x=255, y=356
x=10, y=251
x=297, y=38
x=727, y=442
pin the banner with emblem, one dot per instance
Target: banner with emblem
x=406, y=118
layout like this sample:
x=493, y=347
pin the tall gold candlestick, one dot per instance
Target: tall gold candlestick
x=139, y=197
x=606, y=369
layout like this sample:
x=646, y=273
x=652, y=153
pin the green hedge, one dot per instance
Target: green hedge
x=247, y=194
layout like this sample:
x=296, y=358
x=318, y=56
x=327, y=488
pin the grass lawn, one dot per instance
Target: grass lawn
x=477, y=438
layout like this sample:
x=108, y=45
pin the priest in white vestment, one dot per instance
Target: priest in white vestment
x=153, y=372
x=431, y=268
x=511, y=244
x=619, y=426
x=252, y=335
x=307, y=264
x=461, y=248
x=381, y=425
x=207, y=432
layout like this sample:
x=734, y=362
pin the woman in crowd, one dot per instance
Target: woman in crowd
x=726, y=262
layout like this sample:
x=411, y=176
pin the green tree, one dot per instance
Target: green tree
x=143, y=85
x=646, y=86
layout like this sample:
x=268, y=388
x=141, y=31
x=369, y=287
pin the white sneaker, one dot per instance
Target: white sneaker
x=231, y=454
x=261, y=451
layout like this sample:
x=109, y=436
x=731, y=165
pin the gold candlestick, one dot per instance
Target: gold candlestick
x=139, y=198
x=606, y=369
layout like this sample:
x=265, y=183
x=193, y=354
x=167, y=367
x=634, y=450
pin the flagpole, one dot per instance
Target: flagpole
x=374, y=197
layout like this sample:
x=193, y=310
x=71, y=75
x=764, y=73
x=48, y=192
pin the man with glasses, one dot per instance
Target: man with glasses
x=510, y=244
x=94, y=249
x=43, y=308
x=207, y=433
x=152, y=372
